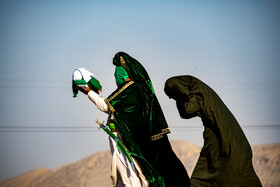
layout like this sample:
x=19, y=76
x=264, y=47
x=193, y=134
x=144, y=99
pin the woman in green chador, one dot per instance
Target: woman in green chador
x=141, y=125
x=226, y=156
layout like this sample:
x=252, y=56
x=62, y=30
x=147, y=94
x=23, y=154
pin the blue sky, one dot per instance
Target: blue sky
x=233, y=46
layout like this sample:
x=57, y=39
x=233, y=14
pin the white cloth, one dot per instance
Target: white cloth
x=122, y=172
x=81, y=73
x=98, y=101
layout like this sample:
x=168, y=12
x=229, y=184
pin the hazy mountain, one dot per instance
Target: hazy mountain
x=94, y=171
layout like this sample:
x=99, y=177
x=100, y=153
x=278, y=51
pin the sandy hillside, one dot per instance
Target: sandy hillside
x=94, y=171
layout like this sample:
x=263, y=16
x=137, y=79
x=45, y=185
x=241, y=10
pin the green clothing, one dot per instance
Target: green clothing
x=226, y=156
x=120, y=75
x=157, y=123
x=142, y=127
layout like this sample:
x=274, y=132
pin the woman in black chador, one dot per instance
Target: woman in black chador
x=226, y=156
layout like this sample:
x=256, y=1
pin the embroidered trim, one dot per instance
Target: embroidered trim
x=156, y=137
x=122, y=62
x=160, y=135
x=120, y=90
x=165, y=131
x=110, y=106
x=107, y=101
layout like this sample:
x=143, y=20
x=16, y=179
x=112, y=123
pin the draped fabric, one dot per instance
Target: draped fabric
x=226, y=156
x=142, y=126
x=157, y=123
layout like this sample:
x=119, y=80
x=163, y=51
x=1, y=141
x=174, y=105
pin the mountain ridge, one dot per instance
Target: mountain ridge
x=95, y=170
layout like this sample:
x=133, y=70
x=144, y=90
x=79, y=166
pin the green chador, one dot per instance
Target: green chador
x=226, y=156
x=142, y=127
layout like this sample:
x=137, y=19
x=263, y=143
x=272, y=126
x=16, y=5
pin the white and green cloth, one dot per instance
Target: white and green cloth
x=83, y=79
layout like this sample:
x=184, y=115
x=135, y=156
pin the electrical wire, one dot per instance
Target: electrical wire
x=95, y=129
x=3, y=84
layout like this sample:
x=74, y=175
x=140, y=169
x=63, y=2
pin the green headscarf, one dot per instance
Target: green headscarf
x=120, y=75
x=135, y=71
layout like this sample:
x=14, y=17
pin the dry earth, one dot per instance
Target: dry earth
x=94, y=171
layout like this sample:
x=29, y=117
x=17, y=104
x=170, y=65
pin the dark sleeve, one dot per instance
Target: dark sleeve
x=188, y=109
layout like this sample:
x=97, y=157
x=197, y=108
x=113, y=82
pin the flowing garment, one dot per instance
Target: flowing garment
x=226, y=156
x=142, y=126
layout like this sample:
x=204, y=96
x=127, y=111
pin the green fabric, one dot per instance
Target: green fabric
x=226, y=156
x=139, y=75
x=76, y=83
x=94, y=84
x=120, y=75
x=119, y=144
x=80, y=82
x=131, y=123
x=138, y=117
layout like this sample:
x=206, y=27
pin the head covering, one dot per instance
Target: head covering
x=135, y=71
x=177, y=87
x=120, y=75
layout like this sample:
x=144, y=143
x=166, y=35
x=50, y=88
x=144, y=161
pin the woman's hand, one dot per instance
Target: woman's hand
x=84, y=89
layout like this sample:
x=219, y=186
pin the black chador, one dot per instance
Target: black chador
x=226, y=156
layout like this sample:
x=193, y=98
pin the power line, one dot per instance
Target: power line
x=95, y=129
x=34, y=80
x=53, y=84
x=36, y=87
x=47, y=129
x=69, y=87
x=228, y=85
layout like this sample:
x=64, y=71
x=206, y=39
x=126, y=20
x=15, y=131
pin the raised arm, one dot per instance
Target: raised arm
x=191, y=107
x=98, y=101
